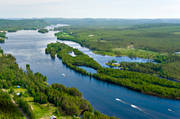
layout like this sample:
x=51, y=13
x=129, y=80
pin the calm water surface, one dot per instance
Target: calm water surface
x=88, y=69
x=28, y=48
x=104, y=59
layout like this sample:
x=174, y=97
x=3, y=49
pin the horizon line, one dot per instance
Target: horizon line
x=19, y=18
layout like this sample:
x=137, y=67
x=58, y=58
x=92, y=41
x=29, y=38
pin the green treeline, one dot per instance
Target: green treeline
x=1, y=51
x=95, y=115
x=165, y=66
x=142, y=82
x=69, y=101
x=3, y=34
x=2, y=37
x=25, y=24
x=43, y=31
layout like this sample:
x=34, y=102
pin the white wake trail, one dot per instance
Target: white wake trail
x=117, y=99
x=132, y=105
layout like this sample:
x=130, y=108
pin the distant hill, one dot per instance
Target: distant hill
x=109, y=22
x=24, y=24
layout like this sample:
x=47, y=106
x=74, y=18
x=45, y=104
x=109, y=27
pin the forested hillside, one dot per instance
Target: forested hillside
x=108, y=23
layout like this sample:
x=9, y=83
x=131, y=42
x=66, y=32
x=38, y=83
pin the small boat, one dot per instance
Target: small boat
x=170, y=110
x=63, y=74
x=117, y=99
x=136, y=107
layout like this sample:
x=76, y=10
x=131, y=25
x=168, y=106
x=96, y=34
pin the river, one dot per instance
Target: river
x=29, y=48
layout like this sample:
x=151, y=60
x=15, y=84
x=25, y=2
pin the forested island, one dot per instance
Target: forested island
x=30, y=92
x=142, y=82
x=43, y=31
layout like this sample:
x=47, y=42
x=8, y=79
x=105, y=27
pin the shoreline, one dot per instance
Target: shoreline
x=99, y=76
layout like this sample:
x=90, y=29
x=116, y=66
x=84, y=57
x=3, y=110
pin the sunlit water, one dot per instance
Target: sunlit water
x=104, y=59
x=28, y=47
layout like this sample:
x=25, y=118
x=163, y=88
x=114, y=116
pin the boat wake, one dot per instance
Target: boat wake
x=170, y=110
x=117, y=99
x=133, y=106
x=136, y=107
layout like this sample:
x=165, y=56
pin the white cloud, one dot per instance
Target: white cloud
x=91, y=8
x=26, y=2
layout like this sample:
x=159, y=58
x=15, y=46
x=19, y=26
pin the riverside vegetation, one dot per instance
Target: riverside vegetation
x=141, y=82
x=81, y=59
x=30, y=92
x=158, y=42
x=146, y=41
x=165, y=66
x=2, y=37
x=43, y=31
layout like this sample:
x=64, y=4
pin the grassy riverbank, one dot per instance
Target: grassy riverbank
x=141, y=82
x=29, y=92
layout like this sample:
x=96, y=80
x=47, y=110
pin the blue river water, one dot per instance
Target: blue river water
x=88, y=69
x=29, y=48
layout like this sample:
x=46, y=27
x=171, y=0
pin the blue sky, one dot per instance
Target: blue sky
x=90, y=8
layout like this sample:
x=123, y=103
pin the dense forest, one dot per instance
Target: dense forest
x=108, y=23
x=163, y=66
x=24, y=24
x=142, y=82
x=43, y=31
x=30, y=91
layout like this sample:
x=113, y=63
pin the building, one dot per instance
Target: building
x=53, y=117
x=18, y=94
